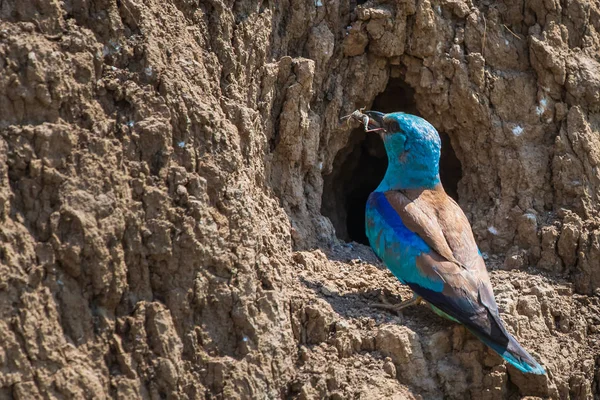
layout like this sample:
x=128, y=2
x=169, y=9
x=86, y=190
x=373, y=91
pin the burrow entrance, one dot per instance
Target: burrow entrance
x=359, y=167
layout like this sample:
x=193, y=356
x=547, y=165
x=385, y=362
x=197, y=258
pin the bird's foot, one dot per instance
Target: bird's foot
x=397, y=308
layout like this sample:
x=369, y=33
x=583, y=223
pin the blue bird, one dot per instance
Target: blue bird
x=425, y=239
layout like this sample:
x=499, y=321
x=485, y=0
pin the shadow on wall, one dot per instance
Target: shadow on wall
x=359, y=167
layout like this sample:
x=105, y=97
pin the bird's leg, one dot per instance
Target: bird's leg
x=416, y=299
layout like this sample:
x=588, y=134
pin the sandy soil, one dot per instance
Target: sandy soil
x=173, y=175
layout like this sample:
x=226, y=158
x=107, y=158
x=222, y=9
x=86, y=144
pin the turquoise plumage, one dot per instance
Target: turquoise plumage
x=425, y=239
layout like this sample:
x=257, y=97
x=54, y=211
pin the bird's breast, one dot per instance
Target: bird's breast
x=396, y=245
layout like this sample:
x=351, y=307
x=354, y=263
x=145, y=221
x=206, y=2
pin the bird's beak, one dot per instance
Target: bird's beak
x=375, y=122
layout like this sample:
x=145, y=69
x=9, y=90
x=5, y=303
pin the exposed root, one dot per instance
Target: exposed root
x=514, y=34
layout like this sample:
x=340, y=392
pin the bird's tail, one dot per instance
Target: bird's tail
x=503, y=343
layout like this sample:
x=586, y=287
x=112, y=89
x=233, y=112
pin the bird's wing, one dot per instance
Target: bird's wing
x=454, y=262
x=440, y=222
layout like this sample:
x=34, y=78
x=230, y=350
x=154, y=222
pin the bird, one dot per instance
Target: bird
x=424, y=238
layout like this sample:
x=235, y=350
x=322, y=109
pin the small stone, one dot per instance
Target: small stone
x=390, y=369
x=560, y=111
x=327, y=291
x=336, y=396
x=515, y=259
x=439, y=344
x=342, y=326
x=568, y=291
x=181, y=190
x=363, y=13
x=529, y=306
x=303, y=354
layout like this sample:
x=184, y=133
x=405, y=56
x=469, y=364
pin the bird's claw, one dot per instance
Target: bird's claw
x=389, y=307
x=397, y=308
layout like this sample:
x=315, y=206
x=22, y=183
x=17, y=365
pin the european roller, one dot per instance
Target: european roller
x=424, y=238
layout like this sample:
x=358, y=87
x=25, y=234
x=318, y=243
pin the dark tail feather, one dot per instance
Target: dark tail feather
x=508, y=348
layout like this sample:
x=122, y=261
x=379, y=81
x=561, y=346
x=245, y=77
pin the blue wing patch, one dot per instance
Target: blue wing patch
x=397, y=245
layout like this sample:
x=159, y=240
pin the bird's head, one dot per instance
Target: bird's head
x=413, y=148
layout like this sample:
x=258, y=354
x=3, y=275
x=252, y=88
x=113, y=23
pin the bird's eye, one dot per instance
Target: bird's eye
x=392, y=126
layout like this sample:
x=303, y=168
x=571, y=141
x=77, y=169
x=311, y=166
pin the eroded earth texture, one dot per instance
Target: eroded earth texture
x=180, y=205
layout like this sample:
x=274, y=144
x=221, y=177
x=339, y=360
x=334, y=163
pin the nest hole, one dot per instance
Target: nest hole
x=359, y=167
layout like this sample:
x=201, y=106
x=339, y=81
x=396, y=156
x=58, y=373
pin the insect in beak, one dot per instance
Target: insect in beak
x=372, y=121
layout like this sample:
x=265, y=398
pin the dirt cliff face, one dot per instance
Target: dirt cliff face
x=178, y=190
